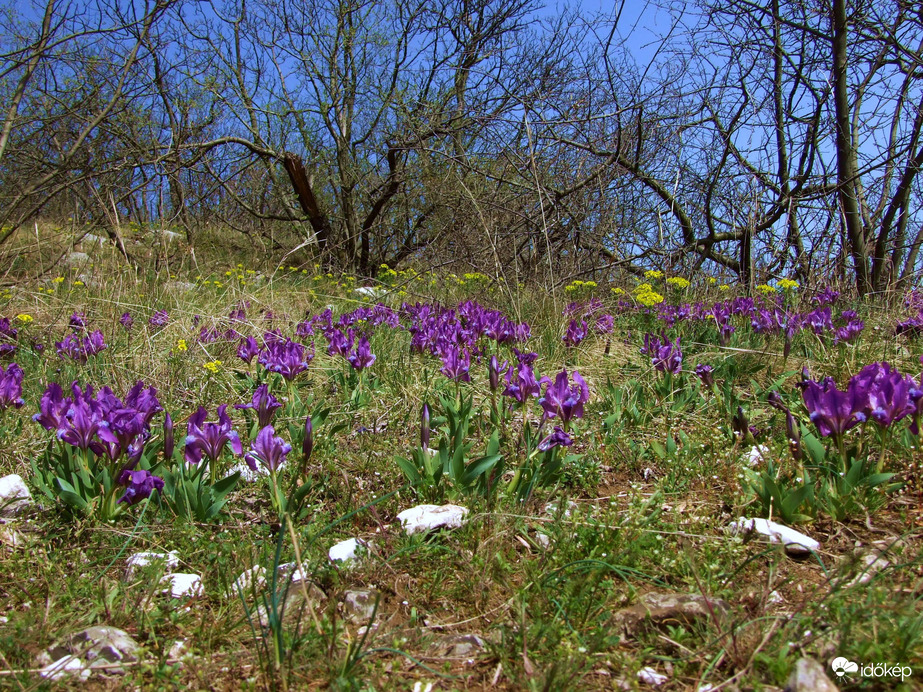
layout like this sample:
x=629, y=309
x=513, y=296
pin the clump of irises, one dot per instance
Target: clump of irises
x=11, y=387
x=101, y=444
x=878, y=395
x=562, y=402
x=666, y=356
x=81, y=349
x=8, y=337
x=288, y=358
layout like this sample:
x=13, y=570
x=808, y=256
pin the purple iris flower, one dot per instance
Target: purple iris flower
x=832, y=411
x=499, y=328
x=7, y=330
x=911, y=327
x=124, y=432
x=888, y=393
x=576, y=332
x=850, y=332
x=525, y=358
x=101, y=422
x=304, y=329
x=424, y=426
x=81, y=349
x=126, y=320
x=521, y=383
x=268, y=449
x=558, y=438
x=169, y=439
x=494, y=370
x=456, y=362
x=264, y=403
x=159, y=319
x=307, y=444
x=604, y=324
x=239, y=312
x=562, y=399
x=288, y=358
x=704, y=373
x=52, y=407
x=71, y=346
x=819, y=320
x=339, y=343
x=94, y=343
x=273, y=336
x=826, y=297
x=248, y=349
x=362, y=357
x=78, y=322
x=144, y=400
x=792, y=429
x=82, y=426
x=666, y=356
x=208, y=439
x=11, y=386
x=140, y=485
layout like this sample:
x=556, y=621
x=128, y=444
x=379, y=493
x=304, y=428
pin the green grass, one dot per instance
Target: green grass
x=653, y=486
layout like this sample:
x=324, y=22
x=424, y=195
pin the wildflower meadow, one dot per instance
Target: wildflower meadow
x=630, y=481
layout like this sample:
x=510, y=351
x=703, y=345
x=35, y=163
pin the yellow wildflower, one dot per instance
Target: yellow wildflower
x=24, y=318
x=618, y=291
x=78, y=283
x=181, y=345
x=786, y=284
x=678, y=282
x=711, y=280
x=212, y=366
x=765, y=288
x=649, y=298
x=57, y=280
x=724, y=287
x=653, y=274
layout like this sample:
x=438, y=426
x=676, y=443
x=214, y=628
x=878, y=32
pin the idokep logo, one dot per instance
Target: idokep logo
x=842, y=666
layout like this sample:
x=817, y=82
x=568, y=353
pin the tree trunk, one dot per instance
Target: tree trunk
x=847, y=173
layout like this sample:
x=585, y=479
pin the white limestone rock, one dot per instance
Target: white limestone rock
x=424, y=518
x=77, y=258
x=64, y=667
x=369, y=292
x=179, y=649
x=651, y=677
x=359, y=605
x=170, y=562
x=552, y=508
x=247, y=474
x=169, y=236
x=348, y=552
x=810, y=676
x=94, y=647
x=795, y=542
x=252, y=580
x=181, y=585
x=756, y=456
x=289, y=570
x=14, y=495
x=92, y=239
